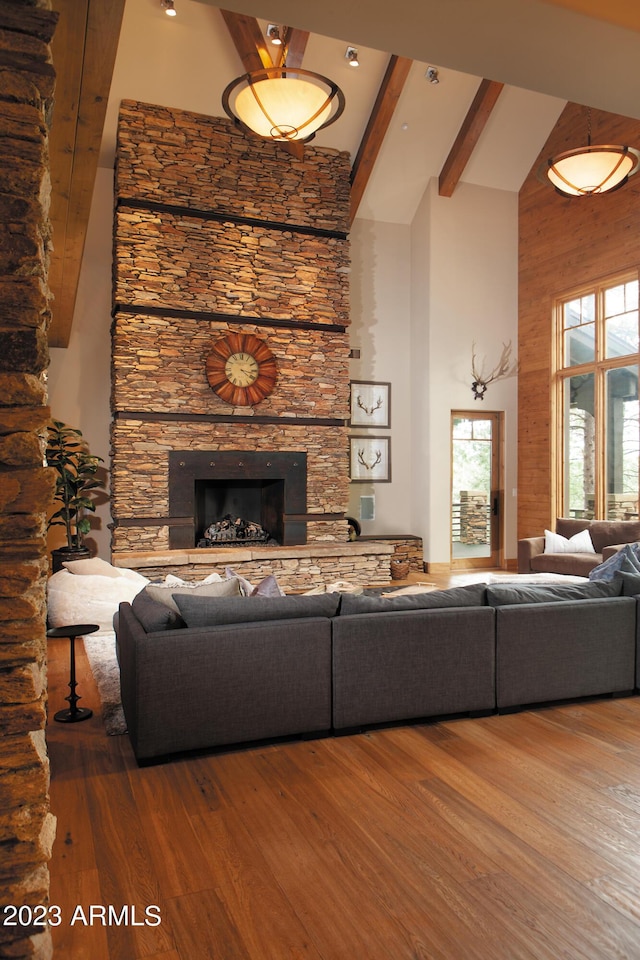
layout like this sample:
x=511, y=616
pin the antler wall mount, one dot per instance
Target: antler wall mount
x=505, y=367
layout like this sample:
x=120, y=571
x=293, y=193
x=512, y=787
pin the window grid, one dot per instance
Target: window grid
x=596, y=399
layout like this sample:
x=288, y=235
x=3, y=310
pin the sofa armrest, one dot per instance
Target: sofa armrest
x=527, y=550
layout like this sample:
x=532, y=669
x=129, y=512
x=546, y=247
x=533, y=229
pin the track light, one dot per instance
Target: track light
x=273, y=34
x=169, y=8
x=432, y=75
x=351, y=56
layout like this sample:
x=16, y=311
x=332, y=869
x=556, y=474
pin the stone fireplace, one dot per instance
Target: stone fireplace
x=217, y=232
x=269, y=489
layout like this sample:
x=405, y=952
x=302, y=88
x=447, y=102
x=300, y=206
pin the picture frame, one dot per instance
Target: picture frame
x=370, y=459
x=370, y=404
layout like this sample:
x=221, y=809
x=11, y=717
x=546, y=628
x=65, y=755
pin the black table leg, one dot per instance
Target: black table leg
x=74, y=713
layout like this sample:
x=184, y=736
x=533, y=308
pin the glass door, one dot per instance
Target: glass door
x=476, y=494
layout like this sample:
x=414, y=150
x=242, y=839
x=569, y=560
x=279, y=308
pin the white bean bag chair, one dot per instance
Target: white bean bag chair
x=87, y=597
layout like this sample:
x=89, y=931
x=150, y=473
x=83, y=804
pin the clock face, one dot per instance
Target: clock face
x=241, y=369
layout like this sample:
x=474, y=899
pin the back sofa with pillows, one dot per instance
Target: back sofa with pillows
x=576, y=547
x=223, y=670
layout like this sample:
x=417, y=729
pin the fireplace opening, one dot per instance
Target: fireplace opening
x=268, y=488
x=239, y=513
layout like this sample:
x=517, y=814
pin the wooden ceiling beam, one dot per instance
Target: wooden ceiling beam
x=248, y=40
x=388, y=95
x=293, y=47
x=468, y=136
x=252, y=50
x=84, y=52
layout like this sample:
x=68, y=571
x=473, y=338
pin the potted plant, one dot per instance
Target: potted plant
x=76, y=480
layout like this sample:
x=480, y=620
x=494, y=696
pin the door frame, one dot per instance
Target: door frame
x=495, y=559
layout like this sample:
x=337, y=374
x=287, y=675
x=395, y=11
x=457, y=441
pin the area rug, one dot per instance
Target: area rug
x=101, y=653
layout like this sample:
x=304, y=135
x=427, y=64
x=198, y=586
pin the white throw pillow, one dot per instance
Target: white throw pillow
x=578, y=543
x=94, y=566
x=90, y=567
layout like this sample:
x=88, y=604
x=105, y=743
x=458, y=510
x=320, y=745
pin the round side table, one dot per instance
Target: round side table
x=74, y=713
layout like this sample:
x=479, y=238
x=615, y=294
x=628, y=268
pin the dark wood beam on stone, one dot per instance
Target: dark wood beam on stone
x=248, y=40
x=468, y=136
x=84, y=52
x=388, y=95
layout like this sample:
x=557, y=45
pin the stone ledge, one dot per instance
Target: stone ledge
x=205, y=557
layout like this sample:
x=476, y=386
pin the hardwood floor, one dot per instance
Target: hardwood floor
x=503, y=838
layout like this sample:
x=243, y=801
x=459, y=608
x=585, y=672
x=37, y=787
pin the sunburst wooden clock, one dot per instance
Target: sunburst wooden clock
x=241, y=369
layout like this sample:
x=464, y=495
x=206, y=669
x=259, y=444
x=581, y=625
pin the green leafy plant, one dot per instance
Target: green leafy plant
x=68, y=454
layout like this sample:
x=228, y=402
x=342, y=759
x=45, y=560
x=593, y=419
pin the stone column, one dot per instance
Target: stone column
x=27, y=827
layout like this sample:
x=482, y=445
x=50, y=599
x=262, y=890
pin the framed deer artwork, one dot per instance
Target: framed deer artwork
x=370, y=404
x=370, y=459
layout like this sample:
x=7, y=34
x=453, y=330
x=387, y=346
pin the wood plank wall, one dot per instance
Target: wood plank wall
x=563, y=243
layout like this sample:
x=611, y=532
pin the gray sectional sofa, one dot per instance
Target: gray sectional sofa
x=236, y=670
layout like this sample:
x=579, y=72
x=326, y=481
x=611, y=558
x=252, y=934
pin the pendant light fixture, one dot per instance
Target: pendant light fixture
x=282, y=104
x=591, y=169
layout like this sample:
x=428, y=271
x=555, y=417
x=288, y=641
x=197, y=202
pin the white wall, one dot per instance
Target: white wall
x=467, y=246
x=420, y=297
x=380, y=329
x=79, y=376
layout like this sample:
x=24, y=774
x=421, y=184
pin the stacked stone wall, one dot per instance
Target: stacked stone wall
x=27, y=827
x=219, y=232
x=206, y=163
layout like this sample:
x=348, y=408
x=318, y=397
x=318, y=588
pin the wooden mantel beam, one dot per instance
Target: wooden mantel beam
x=468, y=136
x=374, y=134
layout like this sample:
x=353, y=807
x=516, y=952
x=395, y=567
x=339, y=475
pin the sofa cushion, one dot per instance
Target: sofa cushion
x=499, y=595
x=267, y=587
x=199, y=611
x=605, y=532
x=576, y=564
x=628, y=557
x=471, y=595
x=569, y=526
x=578, y=543
x=153, y=615
x=167, y=593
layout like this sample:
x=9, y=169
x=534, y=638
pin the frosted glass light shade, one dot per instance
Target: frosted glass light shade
x=591, y=169
x=283, y=105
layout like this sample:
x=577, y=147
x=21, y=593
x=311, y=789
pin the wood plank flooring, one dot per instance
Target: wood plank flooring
x=502, y=838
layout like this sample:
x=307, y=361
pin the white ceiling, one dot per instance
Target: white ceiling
x=187, y=61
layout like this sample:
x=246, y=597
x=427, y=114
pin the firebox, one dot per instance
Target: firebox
x=237, y=498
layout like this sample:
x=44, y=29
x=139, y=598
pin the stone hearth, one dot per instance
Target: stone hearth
x=296, y=567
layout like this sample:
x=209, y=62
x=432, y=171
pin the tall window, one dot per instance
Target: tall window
x=597, y=381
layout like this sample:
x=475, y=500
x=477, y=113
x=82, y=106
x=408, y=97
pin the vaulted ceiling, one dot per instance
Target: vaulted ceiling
x=506, y=68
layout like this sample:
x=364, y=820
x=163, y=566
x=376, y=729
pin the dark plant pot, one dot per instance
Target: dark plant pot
x=61, y=554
